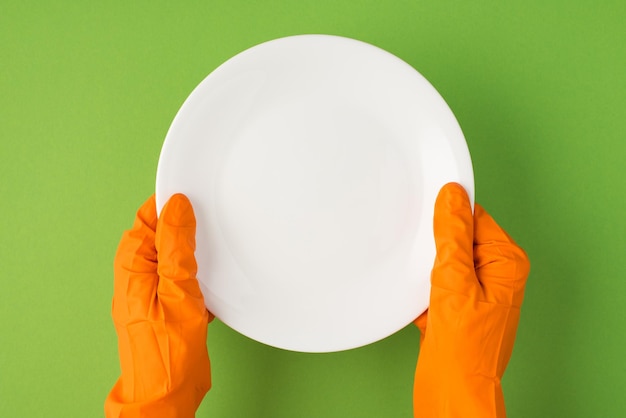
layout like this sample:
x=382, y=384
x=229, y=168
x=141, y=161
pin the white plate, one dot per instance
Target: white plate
x=313, y=163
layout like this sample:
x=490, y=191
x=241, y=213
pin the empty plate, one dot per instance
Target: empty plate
x=313, y=163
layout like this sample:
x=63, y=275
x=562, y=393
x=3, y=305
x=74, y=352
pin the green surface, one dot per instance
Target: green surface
x=88, y=90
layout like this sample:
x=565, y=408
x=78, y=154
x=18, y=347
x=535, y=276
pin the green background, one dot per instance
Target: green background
x=88, y=90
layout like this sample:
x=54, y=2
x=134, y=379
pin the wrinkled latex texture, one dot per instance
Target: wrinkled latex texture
x=468, y=332
x=160, y=317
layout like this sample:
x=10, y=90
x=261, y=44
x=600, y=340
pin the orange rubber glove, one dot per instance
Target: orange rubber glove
x=468, y=331
x=160, y=317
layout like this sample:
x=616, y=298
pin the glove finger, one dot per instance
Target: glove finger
x=502, y=266
x=421, y=322
x=454, y=233
x=178, y=290
x=135, y=268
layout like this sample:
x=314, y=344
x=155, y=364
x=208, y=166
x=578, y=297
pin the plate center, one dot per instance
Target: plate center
x=311, y=191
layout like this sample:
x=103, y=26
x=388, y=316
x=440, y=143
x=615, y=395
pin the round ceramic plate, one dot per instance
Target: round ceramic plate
x=313, y=163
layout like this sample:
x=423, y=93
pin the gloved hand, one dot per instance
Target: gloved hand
x=468, y=331
x=160, y=317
